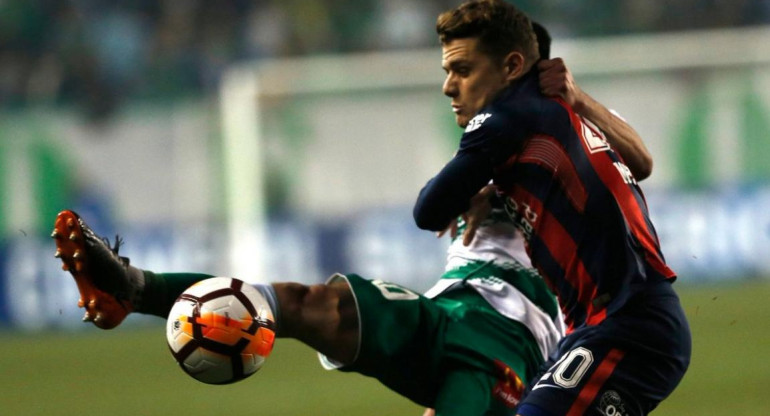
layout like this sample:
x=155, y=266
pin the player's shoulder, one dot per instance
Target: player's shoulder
x=485, y=128
x=498, y=117
x=522, y=116
x=537, y=109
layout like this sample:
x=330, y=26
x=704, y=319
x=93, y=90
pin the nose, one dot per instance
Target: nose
x=450, y=86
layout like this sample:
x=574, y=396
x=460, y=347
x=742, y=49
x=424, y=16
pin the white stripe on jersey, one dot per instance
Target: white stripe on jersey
x=500, y=242
x=511, y=303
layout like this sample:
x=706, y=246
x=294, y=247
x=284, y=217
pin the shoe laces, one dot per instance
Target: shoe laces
x=118, y=242
x=115, y=248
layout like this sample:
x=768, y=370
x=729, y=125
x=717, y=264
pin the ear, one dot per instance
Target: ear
x=513, y=64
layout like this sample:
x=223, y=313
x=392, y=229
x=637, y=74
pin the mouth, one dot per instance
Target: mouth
x=456, y=109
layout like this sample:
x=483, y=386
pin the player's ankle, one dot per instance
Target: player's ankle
x=153, y=298
x=138, y=283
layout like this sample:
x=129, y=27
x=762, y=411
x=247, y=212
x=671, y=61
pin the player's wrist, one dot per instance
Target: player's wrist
x=580, y=102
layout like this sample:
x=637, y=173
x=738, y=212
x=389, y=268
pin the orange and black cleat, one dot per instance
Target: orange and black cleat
x=107, y=288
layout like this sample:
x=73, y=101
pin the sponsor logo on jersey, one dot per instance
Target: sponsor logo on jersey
x=509, y=388
x=522, y=215
x=611, y=404
x=476, y=122
x=625, y=173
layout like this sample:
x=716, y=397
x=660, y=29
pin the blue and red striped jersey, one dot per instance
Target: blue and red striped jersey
x=582, y=213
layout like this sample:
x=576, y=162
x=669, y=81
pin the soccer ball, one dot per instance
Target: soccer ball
x=220, y=330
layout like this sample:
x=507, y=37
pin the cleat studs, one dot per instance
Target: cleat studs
x=77, y=254
x=87, y=317
x=57, y=254
x=78, y=267
x=55, y=234
x=92, y=303
x=73, y=236
x=65, y=267
x=70, y=223
x=81, y=303
x=98, y=317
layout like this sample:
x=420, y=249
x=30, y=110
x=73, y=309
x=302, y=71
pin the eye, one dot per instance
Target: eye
x=463, y=71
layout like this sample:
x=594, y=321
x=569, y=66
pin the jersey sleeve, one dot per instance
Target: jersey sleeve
x=447, y=194
x=488, y=141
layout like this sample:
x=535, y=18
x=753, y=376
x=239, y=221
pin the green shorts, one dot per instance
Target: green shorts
x=454, y=353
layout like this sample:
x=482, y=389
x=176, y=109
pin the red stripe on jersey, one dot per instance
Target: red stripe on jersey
x=562, y=249
x=546, y=151
x=591, y=389
x=609, y=175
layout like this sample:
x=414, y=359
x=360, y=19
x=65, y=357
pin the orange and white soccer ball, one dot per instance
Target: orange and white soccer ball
x=220, y=330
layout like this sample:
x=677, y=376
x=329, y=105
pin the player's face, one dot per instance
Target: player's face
x=473, y=79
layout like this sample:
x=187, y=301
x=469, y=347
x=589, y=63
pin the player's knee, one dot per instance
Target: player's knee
x=289, y=297
x=335, y=299
x=315, y=308
x=318, y=295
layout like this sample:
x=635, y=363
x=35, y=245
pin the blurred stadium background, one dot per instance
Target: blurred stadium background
x=275, y=140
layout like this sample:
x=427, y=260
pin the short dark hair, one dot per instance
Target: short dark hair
x=543, y=40
x=500, y=27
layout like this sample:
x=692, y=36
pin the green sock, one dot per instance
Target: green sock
x=162, y=289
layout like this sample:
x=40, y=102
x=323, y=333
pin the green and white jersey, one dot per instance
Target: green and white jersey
x=497, y=239
x=496, y=265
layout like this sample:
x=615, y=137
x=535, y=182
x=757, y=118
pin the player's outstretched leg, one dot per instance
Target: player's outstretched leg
x=109, y=288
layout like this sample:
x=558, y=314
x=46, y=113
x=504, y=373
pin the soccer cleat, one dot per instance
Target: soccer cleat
x=107, y=290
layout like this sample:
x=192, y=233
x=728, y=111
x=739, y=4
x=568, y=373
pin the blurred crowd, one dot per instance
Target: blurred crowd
x=96, y=54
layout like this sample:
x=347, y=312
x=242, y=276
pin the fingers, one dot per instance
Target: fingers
x=470, y=232
x=552, y=69
x=451, y=228
x=556, y=80
x=550, y=64
x=478, y=212
x=553, y=77
x=472, y=220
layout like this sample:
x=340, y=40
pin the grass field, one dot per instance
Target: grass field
x=129, y=371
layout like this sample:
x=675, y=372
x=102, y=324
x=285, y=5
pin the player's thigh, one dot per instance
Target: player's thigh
x=624, y=366
x=401, y=341
x=589, y=379
x=469, y=392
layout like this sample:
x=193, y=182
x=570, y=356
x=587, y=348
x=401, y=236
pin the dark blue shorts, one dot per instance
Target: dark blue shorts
x=626, y=365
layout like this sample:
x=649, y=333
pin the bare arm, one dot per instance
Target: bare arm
x=556, y=80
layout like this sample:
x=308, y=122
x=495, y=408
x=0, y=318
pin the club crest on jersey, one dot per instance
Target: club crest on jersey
x=611, y=404
x=476, y=122
x=594, y=137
